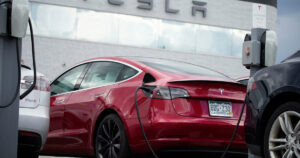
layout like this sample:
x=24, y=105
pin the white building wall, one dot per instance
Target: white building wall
x=55, y=55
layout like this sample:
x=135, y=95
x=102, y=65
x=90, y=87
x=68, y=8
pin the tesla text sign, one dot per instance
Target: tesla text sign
x=196, y=6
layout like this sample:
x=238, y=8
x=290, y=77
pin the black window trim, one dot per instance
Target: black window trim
x=81, y=77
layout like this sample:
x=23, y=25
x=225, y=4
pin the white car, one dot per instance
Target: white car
x=33, y=114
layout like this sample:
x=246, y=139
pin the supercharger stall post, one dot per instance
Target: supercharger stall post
x=259, y=51
x=13, y=25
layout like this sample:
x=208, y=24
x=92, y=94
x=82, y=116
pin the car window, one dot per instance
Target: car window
x=244, y=82
x=100, y=74
x=126, y=73
x=67, y=81
x=176, y=67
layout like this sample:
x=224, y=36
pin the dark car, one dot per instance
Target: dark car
x=272, y=125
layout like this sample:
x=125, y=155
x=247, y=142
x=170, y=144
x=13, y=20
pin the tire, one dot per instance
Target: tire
x=282, y=133
x=28, y=155
x=110, y=140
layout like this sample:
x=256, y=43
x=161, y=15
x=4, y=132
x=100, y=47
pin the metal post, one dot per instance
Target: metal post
x=256, y=34
x=9, y=80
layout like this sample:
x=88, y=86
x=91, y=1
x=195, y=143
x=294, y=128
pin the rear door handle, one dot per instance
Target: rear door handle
x=99, y=95
x=60, y=101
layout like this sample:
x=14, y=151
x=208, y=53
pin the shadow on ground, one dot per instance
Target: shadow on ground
x=177, y=155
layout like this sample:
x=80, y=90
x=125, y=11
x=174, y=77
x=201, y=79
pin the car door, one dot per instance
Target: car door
x=83, y=105
x=61, y=90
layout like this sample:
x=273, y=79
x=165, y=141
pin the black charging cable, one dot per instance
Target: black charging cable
x=5, y=2
x=33, y=62
x=140, y=121
x=235, y=131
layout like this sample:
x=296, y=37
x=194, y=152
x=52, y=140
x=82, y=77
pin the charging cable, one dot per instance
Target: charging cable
x=29, y=90
x=235, y=131
x=140, y=121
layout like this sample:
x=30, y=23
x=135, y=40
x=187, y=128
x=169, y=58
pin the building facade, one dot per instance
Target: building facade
x=209, y=33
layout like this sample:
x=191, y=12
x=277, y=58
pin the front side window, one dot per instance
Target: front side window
x=101, y=74
x=67, y=81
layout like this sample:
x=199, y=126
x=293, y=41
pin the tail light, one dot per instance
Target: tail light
x=42, y=84
x=165, y=93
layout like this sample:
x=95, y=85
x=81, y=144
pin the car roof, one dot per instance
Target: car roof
x=155, y=72
x=293, y=57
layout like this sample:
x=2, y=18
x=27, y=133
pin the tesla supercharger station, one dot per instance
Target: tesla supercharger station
x=259, y=51
x=13, y=25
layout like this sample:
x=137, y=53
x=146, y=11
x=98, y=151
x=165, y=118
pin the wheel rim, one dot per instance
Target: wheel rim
x=284, y=136
x=108, y=140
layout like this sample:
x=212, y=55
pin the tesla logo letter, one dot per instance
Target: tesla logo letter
x=168, y=9
x=199, y=6
x=148, y=4
x=221, y=90
x=115, y=2
x=259, y=7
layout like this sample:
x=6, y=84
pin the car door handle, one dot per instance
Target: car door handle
x=99, y=95
x=60, y=101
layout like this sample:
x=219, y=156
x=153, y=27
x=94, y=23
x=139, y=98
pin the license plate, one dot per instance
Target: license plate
x=219, y=108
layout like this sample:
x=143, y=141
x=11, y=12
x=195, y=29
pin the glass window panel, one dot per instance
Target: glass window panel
x=126, y=73
x=67, y=81
x=101, y=74
x=137, y=31
x=96, y=26
x=176, y=67
x=213, y=40
x=177, y=36
x=54, y=21
x=87, y=25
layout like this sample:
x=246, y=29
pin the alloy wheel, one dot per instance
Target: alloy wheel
x=284, y=138
x=108, y=139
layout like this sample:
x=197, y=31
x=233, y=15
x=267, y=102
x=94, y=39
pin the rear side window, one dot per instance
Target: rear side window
x=67, y=81
x=127, y=73
x=180, y=68
x=244, y=82
x=101, y=74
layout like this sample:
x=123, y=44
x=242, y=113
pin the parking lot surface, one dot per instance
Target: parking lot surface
x=175, y=155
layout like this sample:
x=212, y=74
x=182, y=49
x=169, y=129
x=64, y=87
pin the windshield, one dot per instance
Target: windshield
x=177, y=67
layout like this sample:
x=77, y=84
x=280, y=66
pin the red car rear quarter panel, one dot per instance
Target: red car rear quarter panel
x=121, y=100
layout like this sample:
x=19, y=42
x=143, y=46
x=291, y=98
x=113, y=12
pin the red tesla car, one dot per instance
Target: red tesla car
x=186, y=107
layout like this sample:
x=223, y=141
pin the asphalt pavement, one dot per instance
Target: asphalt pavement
x=175, y=155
